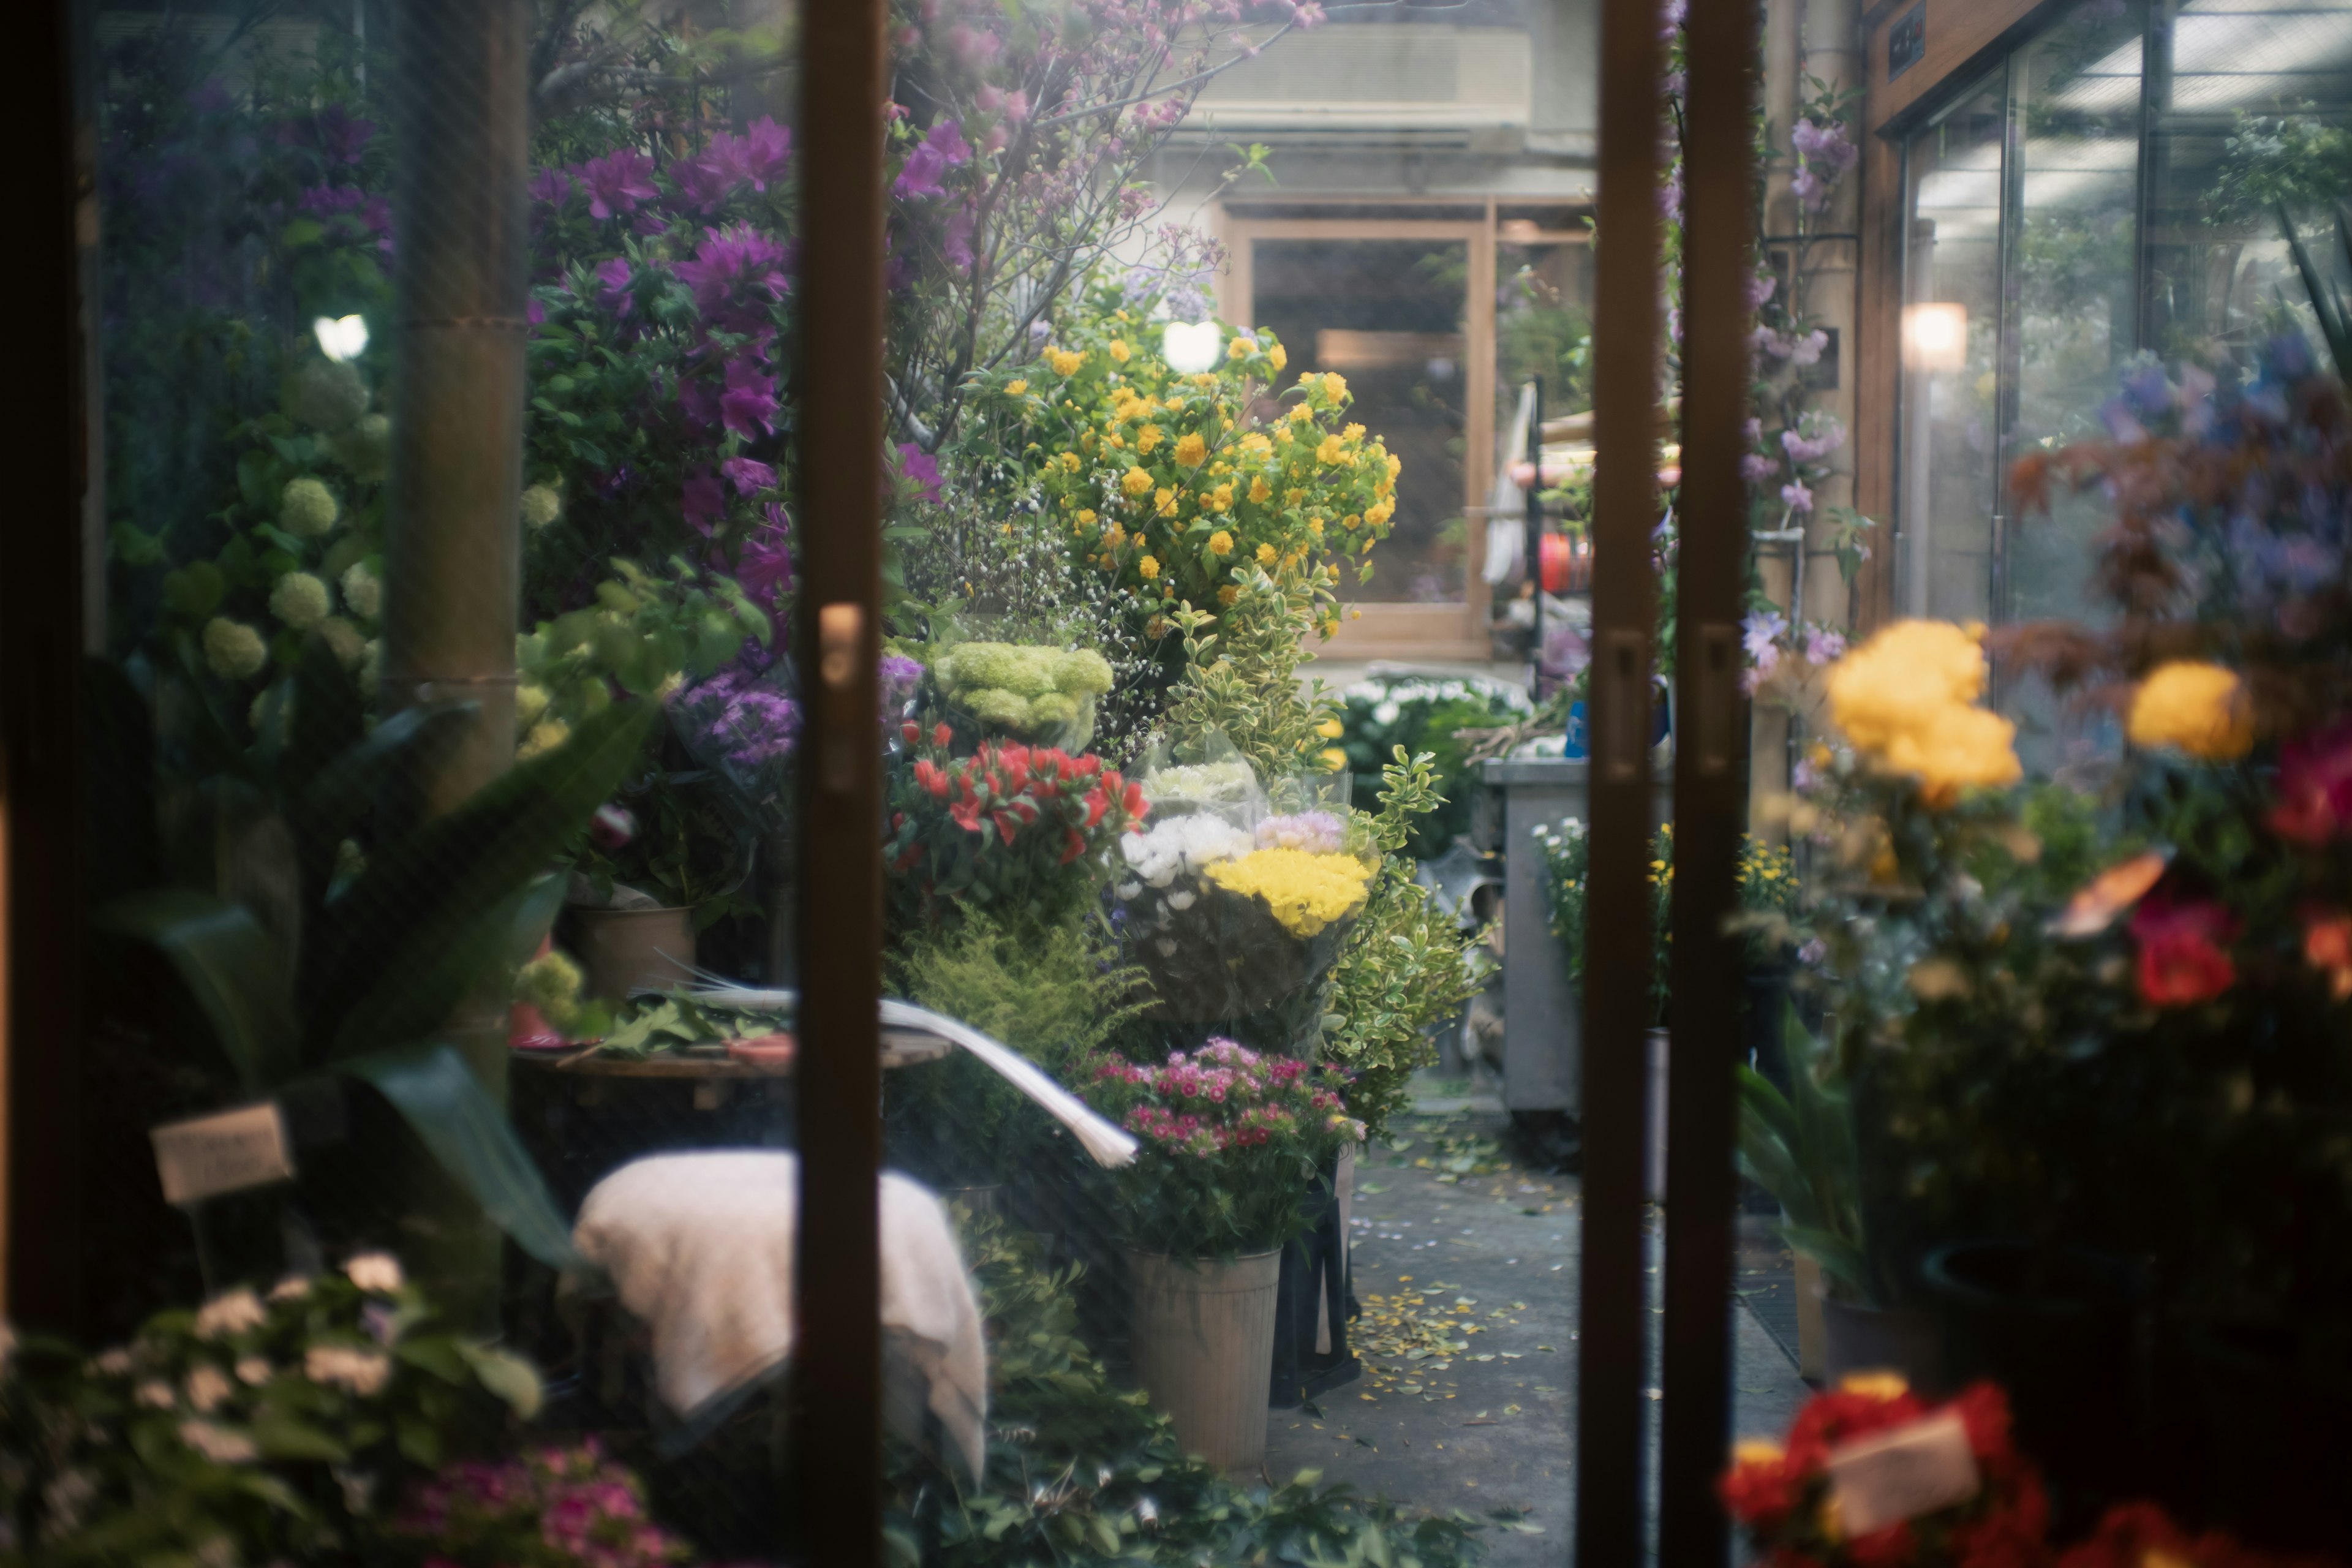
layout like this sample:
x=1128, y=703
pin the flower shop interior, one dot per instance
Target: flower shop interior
x=820, y=784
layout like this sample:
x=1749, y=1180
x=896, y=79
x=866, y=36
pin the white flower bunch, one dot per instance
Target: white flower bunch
x=1180, y=845
x=1202, y=784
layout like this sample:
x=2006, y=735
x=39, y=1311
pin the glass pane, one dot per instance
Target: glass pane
x=1390, y=316
x=1951, y=340
x=2248, y=95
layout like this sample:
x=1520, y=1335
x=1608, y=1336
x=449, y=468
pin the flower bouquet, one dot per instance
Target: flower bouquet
x=1229, y=919
x=1794, y=1504
x=1016, y=830
x=1040, y=695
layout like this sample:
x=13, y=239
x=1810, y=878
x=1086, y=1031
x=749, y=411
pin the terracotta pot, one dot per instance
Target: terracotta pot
x=623, y=951
x=1203, y=1349
x=1905, y=1340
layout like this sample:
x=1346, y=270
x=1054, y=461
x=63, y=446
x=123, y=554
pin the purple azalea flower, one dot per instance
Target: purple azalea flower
x=920, y=467
x=536, y=312
x=765, y=152
x=957, y=242
x=748, y=474
x=648, y=223
x=704, y=182
x=615, y=278
x=748, y=406
x=732, y=268
x=617, y=182
x=551, y=185
x=764, y=565
x=943, y=149
x=702, y=500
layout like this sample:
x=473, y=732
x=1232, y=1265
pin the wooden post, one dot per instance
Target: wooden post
x=451, y=538
x=837, y=1350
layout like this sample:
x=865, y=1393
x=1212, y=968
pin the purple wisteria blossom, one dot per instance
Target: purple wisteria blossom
x=617, y=182
x=943, y=150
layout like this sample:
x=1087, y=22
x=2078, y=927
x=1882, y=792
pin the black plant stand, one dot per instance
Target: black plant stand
x=1314, y=1279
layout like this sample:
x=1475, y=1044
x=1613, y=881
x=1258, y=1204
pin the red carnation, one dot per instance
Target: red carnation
x=941, y=735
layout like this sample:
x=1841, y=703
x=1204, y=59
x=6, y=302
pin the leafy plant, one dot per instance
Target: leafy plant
x=254, y=1429
x=1800, y=1147
x=1403, y=968
x=385, y=950
x=1241, y=679
x=1379, y=714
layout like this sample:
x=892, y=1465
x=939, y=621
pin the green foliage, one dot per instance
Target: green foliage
x=1242, y=679
x=1055, y=993
x=1379, y=715
x=1026, y=691
x=644, y=632
x=1799, y=1148
x=1079, y=1471
x=252, y=1431
x=1404, y=970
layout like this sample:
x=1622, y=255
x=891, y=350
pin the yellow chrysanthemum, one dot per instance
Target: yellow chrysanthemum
x=1300, y=413
x=1228, y=594
x=1066, y=362
x=1305, y=892
x=1147, y=439
x=1118, y=350
x=1256, y=444
x=1275, y=357
x=1220, y=498
x=1190, y=450
x=1241, y=348
x=1086, y=515
x=1164, y=503
x=1221, y=543
x=1352, y=433
x=1015, y=387
x=1070, y=461
x=1148, y=567
x=1905, y=698
x=1265, y=554
x=1259, y=491
x=1379, y=513
x=2199, y=708
x=1335, y=385
x=1328, y=451
x=1135, y=481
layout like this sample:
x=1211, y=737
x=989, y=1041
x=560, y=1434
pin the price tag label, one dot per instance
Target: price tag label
x=207, y=1156
x=1892, y=1476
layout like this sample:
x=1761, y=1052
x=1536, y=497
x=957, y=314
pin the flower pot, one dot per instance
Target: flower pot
x=2269, y=1400
x=624, y=950
x=1203, y=1349
x=1905, y=1340
x=1812, y=1352
x=2058, y=1328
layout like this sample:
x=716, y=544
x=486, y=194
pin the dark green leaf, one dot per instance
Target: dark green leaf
x=233, y=970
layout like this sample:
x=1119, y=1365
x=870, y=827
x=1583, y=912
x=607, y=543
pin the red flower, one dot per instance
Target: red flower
x=2181, y=960
x=1097, y=803
x=931, y=777
x=1133, y=802
x=2314, y=787
x=1760, y=1491
x=910, y=731
x=941, y=735
x=1984, y=1411
x=1074, y=846
x=966, y=813
x=1889, y=1547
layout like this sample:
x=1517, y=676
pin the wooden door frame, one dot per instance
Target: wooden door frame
x=1407, y=631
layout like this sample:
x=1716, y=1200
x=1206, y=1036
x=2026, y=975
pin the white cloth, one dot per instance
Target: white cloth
x=700, y=1248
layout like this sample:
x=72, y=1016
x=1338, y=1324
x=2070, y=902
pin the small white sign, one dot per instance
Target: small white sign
x=1897, y=1475
x=209, y=1155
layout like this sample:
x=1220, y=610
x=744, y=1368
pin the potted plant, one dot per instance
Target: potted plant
x=1234, y=1144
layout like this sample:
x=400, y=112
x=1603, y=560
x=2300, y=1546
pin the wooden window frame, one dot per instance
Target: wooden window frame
x=1449, y=632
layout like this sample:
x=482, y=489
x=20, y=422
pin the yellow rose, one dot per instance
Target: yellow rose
x=1221, y=543
x=1165, y=502
x=1328, y=451
x=1379, y=514
x=1147, y=439
x=1086, y=515
x=1135, y=481
x=1241, y=348
x=1275, y=357
x=1228, y=593
x=1300, y=413
x=1335, y=385
x=1065, y=362
x=1070, y=461
x=1118, y=350
x=1190, y=450
x=1014, y=388
x=1259, y=491
x=1256, y=444
x=1880, y=689
x=2199, y=708
x=1148, y=567
x=1116, y=537
x=1222, y=500
x=1265, y=554
x=1352, y=433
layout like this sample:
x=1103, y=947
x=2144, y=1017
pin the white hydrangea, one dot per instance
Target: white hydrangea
x=376, y=1272
x=1182, y=845
x=218, y=1444
x=240, y=1311
x=301, y=600
x=362, y=591
x=364, y=1373
x=344, y=640
x=208, y=1388
x=307, y=508
x=233, y=649
x=542, y=504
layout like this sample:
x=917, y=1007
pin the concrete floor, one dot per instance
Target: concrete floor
x=1449, y=1238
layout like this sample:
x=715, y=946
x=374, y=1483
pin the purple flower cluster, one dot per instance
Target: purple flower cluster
x=1824, y=154
x=1222, y=1096
x=758, y=158
x=563, y=1505
x=738, y=278
x=737, y=721
x=1316, y=832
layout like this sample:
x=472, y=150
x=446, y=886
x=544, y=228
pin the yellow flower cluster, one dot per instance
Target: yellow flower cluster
x=1305, y=891
x=1170, y=485
x=1907, y=700
x=2199, y=708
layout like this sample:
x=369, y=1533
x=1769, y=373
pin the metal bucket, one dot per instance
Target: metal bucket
x=621, y=950
x=1204, y=1347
